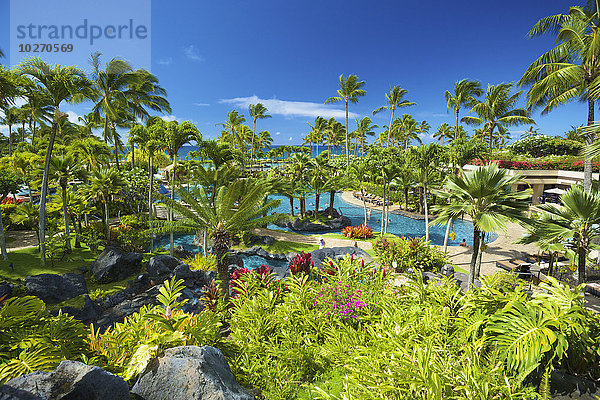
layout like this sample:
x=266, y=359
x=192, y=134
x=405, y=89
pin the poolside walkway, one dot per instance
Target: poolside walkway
x=501, y=249
x=312, y=239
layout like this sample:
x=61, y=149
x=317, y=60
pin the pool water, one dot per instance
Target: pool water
x=253, y=262
x=399, y=224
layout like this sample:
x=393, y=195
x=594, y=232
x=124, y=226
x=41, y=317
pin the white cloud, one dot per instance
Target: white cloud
x=202, y=104
x=165, y=61
x=429, y=114
x=169, y=118
x=291, y=138
x=192, y=53
x=289, y=108
x=277, y=133
x=73, y=117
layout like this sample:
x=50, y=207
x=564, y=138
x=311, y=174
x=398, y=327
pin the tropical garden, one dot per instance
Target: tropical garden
x=121, y=177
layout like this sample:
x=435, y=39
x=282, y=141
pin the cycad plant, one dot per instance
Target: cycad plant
x=486, y=196
x=238, y=207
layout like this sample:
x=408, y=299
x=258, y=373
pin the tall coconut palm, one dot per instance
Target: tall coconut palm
x=570, y=70
x=57, y=83
x=443, y=132
x=394, y=100
x=465, y=94
x=111, y=92
x=10, y=119
x=238, y=207
x=334, y=134
x=318, y=171
x=350, y=90
x=232, y=126
x=359, y=172
x=62, y=170
x=364, y=128
x=317, y=132
x=485, y=195
x=425, y=159
x=9, y=88
x=90, y=152
x=177, y=135
x=299, y=167
x=497, y=110
x=576, y=222
x=256, y=111
x=105, y=183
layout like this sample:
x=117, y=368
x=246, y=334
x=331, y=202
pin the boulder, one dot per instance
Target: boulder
x=236, y=259
x=5, y=289
x=181, y=253
x=462, y=280
x=128, y=303
x=162, y=264
x=89, y=312
x=53, y=288
x=70, y=380
x=188, y=373
x=447, y=270
x=320, y=255
x=564, y=387
x=112, y=265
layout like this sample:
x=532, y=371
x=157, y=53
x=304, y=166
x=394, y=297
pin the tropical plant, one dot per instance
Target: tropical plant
x=358, y=232
x=426, y=160
x=486, y=196
x=57, y=83
x=350, y=90
x=569, y=71
x=497, y=111
x=105, y=183
x=394, y=100
x=9, y=183
x=256, y=111
x=238, y=207
x=465, y=95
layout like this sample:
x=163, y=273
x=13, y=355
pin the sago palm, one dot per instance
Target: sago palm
x=349, y=92
x=486, y=196
x=238, y=207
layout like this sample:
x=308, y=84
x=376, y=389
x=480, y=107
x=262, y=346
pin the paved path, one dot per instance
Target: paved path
x=312, y=239
x=501, y=249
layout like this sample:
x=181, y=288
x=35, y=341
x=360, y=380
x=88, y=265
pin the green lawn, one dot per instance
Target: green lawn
x=376, y=236
x=282, y=246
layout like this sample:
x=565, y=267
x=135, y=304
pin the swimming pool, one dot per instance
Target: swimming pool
x=399, y=224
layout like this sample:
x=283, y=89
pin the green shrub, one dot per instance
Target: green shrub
x=407, y=253
x=542, y=145
x=137, y=221
x=201, y=262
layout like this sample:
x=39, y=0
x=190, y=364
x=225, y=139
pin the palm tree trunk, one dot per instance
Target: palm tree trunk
x=317, y=198
x=10, y=141
x=106, y=130
x=291, y=205
x=252, y=145
x=383, y=208
x=426, y=212
x=132, y=156
x=107, y=218
x=33, y=133
x=2, y=238
x=473, y=265
x=150, y=211
x=587, y=165
x=42, y=217
x=581, y=255
x=347, y=142
x=551, y=264
x=479, y=257
x=302, y=206
x=446, y=236
x=331, y=200
x=456, y=130
x=66, y=219
x=171, y=215
x=77, y=227
x=406, y=198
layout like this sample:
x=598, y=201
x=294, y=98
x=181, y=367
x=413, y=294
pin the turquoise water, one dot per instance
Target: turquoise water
x=399, y=225
x=253, y=262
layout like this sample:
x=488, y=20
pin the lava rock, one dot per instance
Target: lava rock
x=53, y=288
x=88, y=313
x=71, y=380
x=565, y=387
x=447, y=270
x=162, y=264
x=130, y=303
x=236, y=259
x=181, y=253
x=189, y=373
x=320, y=255
x=462, y=280
x=112, y=265
x=5, y=289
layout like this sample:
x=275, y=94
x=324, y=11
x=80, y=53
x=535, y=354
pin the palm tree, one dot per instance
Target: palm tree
x=9, y=183
x=57, y=83
x=394, y=101
x=232, y=126
x=104, y=183
x=425, y=159
x=175, y=137
x=111, y=92
x=90, y=152
x=317, y=131
x=444, y=131
x=9, y=88
x=62, y=170
x=496, y=110
x=577, y=222
x=364, y=128
x=530, y=132
x=350, y=90
x=334, y=133
x=238, y=207
x=299, y=165
x=318, y=171
x=256, y=111
x=358, y=172
x=465, y=93
x=485, y=195
x=570, y=70
x=10, y=119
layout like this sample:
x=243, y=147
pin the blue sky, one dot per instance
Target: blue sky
x=214, y=56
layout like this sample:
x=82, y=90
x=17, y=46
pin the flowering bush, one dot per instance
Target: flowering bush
x=566, y=165
x=358, y=232
x=300, y=264
x=409, y=253
x=342, y=301
x=247, y=281
x=542, y=145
